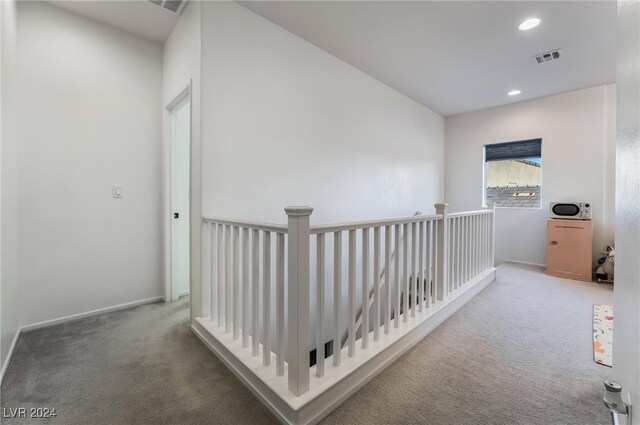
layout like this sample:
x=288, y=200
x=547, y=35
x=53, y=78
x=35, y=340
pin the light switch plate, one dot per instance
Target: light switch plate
x=117, y=191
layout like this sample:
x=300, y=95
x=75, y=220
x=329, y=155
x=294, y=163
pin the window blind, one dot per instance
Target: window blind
x=513, y=150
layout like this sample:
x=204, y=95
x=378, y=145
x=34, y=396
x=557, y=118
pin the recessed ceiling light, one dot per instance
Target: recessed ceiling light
x=529, y=23
x=513, y=92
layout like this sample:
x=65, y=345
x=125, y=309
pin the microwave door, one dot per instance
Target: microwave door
x=566, y=210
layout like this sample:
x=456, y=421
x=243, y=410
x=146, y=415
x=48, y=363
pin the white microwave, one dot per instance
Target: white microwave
x=570, y=210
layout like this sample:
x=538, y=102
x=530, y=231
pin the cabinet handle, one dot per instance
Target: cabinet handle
x=554, y=242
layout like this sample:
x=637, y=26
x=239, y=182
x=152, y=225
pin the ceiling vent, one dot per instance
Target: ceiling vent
x=547, y=56
x=174, y=6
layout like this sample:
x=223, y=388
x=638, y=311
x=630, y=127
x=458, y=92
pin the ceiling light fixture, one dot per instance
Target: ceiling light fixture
x=513, y=92
x=529, y=23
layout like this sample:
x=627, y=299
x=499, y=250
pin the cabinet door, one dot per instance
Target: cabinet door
x=569, y=249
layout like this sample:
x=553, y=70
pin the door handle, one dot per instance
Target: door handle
x=554, y=242
x=176, y=215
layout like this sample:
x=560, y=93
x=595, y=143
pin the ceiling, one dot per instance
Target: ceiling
x=455, y=57
x=139, y=17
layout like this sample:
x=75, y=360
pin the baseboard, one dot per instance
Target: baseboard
x=53, y=322
x=5, y=366
x=526, y=263
x=322, y=399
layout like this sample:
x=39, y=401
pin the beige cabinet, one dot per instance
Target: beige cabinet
x=569, y=249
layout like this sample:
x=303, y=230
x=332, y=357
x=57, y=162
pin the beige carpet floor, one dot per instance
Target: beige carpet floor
x=519, y=353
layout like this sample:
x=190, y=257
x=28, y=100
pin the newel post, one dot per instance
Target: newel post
x=298, y=301
x=442, y=251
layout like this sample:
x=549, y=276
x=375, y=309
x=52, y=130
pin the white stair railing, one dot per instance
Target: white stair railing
x=370, y=247
x=253, y=297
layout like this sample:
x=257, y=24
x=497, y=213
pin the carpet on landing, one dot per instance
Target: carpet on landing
x=518, y=353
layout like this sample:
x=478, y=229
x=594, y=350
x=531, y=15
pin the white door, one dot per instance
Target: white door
x=180, y=158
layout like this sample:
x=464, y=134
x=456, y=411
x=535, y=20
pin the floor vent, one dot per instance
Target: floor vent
x=547, y=56
x=173, y=5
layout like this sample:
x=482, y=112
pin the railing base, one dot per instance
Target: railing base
x=338, y=384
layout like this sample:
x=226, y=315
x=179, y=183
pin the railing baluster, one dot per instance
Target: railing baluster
x=266, y=298
x=228, y=268
x=458, y=257
x=489, y=254
x=430, y=263
x=255, y=293
x=376, y=283
x=488, y=240
x=405, y=271
x=481, y=243
x=471, y=248
x=280, y=304
x=472, y=235
x=478, y=234
x=414, y=275
x=451, y=257
x=484, y=242
x=337, y=296
x=436, y=254
x=396, y=282
x=442, y=278
x=420, y=277
x=352, y=294
x=475, y=245
x=387, y=277
x=453, y=276
x=459, y=278
x=466, y=249
x=320, y=305
x=245, y=288
x=220, y=271
x=456, y=253
x=460, y=260
x=212, y=271
x=365, y=288
x=236, y=282
x=493, y=235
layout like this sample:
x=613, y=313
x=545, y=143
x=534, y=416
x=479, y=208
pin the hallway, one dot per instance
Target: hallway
x=518, y=353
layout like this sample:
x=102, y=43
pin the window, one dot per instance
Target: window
x=512, y=174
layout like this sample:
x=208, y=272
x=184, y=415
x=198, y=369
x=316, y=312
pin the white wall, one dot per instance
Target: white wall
x=285, y=123
x=626, y=349
x=89, y=117
x=577, y=147
x=9, y=294
x=181, y=66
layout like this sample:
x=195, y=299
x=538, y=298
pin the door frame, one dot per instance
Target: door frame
x=166, y=171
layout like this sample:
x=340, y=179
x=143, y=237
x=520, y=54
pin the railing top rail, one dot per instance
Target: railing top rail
x=465, y=213
x=330, y=228
x=268, y=227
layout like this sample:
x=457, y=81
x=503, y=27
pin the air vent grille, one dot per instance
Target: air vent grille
x=547, y=56
x=172, y=5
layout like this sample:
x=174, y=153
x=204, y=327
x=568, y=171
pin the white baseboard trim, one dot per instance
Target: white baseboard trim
x=5, y=366
x=526, y=263
x=48, y=323
x=327, y=394
x=72, y=317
